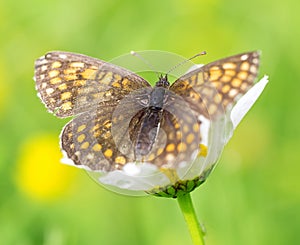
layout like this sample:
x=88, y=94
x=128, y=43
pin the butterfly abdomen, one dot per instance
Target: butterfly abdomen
x=147, y=132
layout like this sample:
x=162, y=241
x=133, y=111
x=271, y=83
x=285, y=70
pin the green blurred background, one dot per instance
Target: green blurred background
x=252, y=197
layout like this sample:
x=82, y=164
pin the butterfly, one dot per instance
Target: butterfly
x=119, y=118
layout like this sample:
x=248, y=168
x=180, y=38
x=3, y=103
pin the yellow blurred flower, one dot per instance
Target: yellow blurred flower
x=39, y=173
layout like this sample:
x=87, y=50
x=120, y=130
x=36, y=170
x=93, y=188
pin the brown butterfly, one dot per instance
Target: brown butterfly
x=119, y=118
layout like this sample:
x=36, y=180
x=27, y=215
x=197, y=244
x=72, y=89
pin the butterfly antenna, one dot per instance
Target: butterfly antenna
x=183, y=62
x=146, y=62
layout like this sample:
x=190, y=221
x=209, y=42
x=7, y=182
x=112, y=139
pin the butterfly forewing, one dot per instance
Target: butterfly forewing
x=70, y=83
x=126, y=117
x=217, y=85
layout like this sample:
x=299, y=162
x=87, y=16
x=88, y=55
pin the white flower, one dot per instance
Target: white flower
x=136, y=179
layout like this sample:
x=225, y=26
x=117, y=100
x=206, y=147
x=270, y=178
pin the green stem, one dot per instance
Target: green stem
x=186, y=206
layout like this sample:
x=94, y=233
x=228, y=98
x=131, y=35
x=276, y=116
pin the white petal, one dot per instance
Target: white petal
x=246, y=102
x=132, y=169
x=216, y=142
x=204, y=129
x=134, y=177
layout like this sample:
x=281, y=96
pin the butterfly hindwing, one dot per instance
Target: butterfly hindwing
x=88, y=141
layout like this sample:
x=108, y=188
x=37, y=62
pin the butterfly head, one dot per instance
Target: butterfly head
x=163, y=82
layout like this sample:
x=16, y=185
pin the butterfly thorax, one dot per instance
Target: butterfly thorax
x=158, y=94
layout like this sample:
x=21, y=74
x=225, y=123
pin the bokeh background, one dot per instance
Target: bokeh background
x=252, y=197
